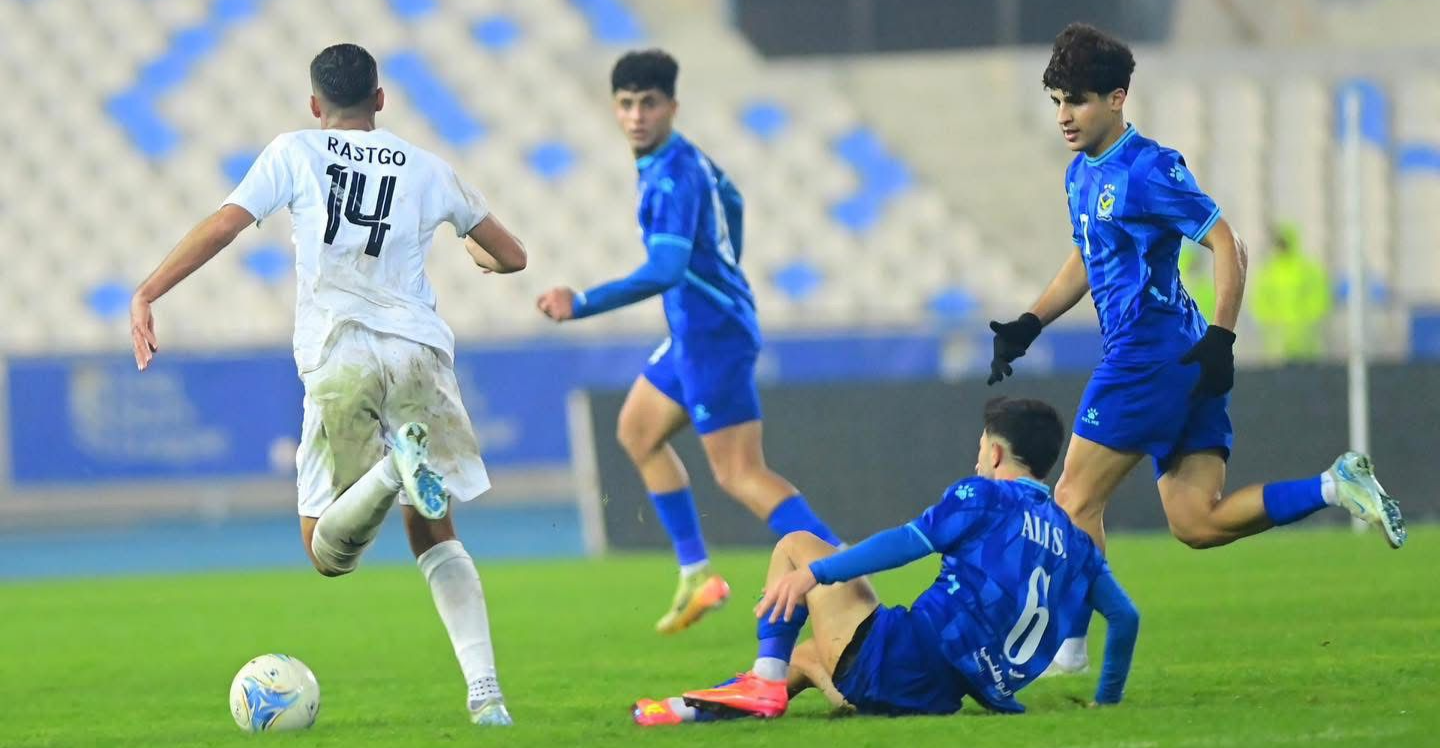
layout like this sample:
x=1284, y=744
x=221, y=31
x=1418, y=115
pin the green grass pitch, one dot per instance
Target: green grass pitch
x=1297, y=639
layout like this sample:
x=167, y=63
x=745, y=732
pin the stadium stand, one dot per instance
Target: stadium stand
x=853, y=221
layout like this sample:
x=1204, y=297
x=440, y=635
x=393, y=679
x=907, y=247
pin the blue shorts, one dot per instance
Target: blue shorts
x=1148, y=408
x=714, y=380
x=897, y=668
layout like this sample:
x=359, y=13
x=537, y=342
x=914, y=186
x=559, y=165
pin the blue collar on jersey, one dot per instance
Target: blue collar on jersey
x=1031, y=482
x=1114, y=147
x=644, y=162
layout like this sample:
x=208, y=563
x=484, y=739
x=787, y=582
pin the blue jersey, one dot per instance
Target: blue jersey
x=687, y=204
x=1129, y=208
x=1014, y=577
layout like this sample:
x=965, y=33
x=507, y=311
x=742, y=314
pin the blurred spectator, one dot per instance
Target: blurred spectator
x=1291, y=299
x=1197, y=278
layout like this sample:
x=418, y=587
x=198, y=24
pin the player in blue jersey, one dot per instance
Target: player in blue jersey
x=1162, y=386
x=1014, y=574
x=704, y=372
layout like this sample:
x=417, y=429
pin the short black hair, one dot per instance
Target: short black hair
x=344, y=75
x=643, y=70
x=1086, y=59
x=1032, y=428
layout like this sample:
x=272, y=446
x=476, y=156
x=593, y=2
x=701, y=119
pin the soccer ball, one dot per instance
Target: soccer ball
x=274, y=693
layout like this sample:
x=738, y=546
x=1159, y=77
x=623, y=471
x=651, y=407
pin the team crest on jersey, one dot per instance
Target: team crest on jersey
x=1106, y=204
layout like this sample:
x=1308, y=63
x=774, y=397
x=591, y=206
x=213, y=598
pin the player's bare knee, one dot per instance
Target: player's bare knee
x=803, y=546
x=730, y=479
x=1077, y=502
x=637, y=441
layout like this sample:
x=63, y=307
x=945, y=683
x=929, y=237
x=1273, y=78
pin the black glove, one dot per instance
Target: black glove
x=1216, y=355
x=1011, y=340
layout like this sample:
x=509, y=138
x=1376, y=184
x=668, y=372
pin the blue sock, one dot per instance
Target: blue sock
x=682, y=523
x=777, y=639
x=1293, y=500
x=794, y=515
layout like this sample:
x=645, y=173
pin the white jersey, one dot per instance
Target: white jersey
x=365, y=206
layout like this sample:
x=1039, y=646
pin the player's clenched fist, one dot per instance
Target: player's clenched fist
x=558, y=303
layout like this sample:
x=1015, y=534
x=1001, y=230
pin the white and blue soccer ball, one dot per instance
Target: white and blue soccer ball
x=274, y=693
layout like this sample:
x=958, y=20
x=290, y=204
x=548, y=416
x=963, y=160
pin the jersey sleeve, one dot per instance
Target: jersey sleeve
x=1122, y=621
x=672, y=210
x=268, y=186
x=1174, y=200
x=463, y=206
x=961, y=514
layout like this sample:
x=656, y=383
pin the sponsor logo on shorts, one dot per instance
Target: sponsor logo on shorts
x=996, y=673
x=701, y=414
x=1092, y=417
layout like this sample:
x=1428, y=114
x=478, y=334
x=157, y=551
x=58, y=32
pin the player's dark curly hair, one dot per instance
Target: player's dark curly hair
x=344, y=75
x=1086, y=59
x=643, y=70
x=1032, y=428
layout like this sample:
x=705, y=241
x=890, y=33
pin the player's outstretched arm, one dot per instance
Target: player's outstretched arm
x=202, y=243
x=889, y=549
x=668, y=259
x=1215, y=352
x=1013, y=338
x=1122, y=620
x=1065, y=291
x=1231, y=262
x=494, y=248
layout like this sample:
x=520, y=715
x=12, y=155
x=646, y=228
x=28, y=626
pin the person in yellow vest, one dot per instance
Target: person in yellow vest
x=1291, y=299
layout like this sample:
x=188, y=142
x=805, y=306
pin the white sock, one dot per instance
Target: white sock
x=771, y=668
x=346, y=527
x=1073, y=650
x=1327, y=488
x=455, y=585
x=690, y=570
x=678, y=705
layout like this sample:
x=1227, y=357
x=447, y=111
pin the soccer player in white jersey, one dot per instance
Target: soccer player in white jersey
x=376, y=360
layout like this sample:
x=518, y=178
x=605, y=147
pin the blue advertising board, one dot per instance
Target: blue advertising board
x=94, y=418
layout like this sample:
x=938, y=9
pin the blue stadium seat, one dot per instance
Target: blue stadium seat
x=1374, y=111
x=1379, y=292
x=1421, y=157
x=860, y=147
x=434, y=99
x=953, y=304
x=858, y=212
x=233, y=11
x=766, y=119
x=551, y=160
x=136, y=115
x=882, y=178
x=798, y=280
x=411, y=9
x=498, y=33
x=109, y=300
x=611, y=21
x=134, y=108
x=270, y=263
x=1425, y=333
x=236, y=165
